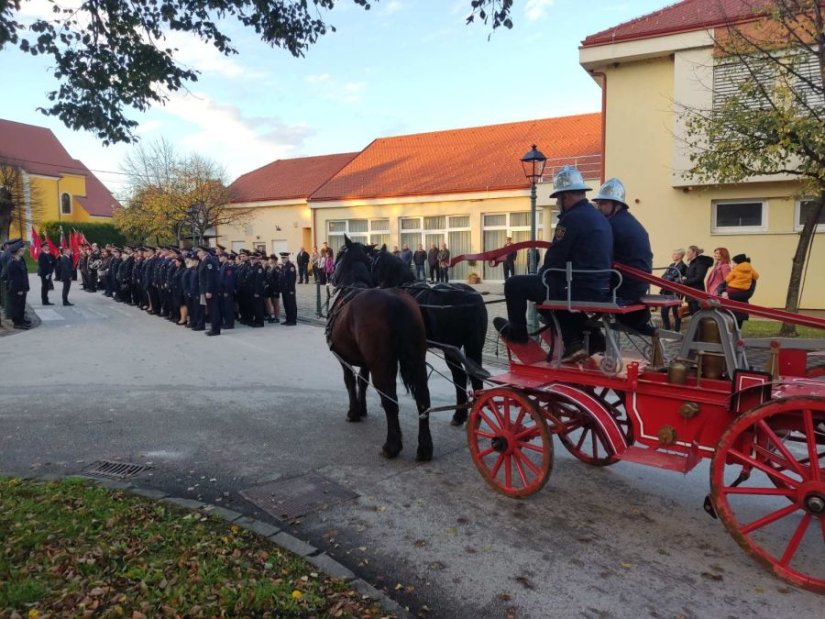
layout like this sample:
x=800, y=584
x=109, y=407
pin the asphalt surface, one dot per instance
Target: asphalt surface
x=212, y=417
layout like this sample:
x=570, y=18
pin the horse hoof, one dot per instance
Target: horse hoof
x=457, y=422
x=353, y=419
x=426, y=456
x=389, y=454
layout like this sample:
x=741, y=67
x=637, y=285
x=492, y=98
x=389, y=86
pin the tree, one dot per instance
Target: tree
x=770, y=119
x=173, y=197
x=14, y=195
x=110, y=55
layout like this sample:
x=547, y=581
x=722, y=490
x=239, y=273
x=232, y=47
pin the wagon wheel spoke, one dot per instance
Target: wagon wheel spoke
x=508, y=471
x=531, y=447
x=483, y=434
x=808, y=419
x=770, y=518
x=582, y=439
x=780, y=445
x=793, y=545
x=527, y=434
x=524, y=459
x=792, y=483
x=492, y=425
x=594, y=443
x=822, y=526
x=519, y=420
x=500, y=416
x=497, y=466
x=486, y=452
x=522, y=475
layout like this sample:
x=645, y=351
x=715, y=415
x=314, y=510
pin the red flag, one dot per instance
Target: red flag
x=51, y=246
x=34, y=248
x=63, y=244
x=74, y=244
x=83, y=240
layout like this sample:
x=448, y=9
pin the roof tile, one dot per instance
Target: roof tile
x=38, y=151
x=286, y=179
x=683, y=16
x=463, y=160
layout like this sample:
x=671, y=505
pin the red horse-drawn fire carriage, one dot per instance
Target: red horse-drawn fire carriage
x=684, y=398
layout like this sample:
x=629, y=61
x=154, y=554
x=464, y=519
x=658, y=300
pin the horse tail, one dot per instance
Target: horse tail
x=411, y=346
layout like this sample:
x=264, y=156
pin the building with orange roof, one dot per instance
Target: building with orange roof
x=275, y=197
x=650, y=70
x=56, y=187
x=464, y=187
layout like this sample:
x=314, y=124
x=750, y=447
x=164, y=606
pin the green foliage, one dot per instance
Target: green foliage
x=101, y=233
x=111, y=56
x=68, y=549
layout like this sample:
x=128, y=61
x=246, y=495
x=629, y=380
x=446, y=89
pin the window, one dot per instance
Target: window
x=359, y=230
x=66, y=204
x=802, y=212
x=238, y=246
x=498, y=226
x=750, y=216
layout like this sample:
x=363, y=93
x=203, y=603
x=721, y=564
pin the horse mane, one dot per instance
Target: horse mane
x=389, y=271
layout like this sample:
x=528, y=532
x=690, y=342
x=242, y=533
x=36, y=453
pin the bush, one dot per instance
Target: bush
x=101, y=233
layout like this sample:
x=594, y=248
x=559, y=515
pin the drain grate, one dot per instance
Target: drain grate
x=289, y=498
x=109, y=469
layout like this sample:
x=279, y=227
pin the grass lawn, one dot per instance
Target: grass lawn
x=770, y=328
x=70, y=549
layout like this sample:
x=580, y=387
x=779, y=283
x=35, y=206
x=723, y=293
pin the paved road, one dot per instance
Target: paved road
x=214, y=416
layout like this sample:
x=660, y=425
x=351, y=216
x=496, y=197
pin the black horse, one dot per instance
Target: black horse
x=379, y=331
x=455, y=317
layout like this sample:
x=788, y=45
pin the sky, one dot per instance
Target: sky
x=405, y=66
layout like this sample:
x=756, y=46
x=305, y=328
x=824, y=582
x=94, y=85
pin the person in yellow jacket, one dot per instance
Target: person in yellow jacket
x=740, y=284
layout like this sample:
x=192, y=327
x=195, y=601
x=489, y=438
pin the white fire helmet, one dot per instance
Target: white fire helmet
x=613, y=189
x=568, y=179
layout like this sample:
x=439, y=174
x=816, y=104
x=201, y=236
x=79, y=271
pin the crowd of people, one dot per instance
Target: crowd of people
x=436, y=260
x=590, y=236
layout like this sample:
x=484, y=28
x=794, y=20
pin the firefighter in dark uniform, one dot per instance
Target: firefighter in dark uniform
x=258, y=290
x=584, y=238
x=228, y=282
x=123, y=277
x=64, y=268
x=197, y=315
x=45, y=270
x=149, y=290
x=17, y=282
x=244, y=274
x=631, y=246
x=209, y=287
x=289, y=275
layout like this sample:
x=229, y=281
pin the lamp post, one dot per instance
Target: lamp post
x=533, y=165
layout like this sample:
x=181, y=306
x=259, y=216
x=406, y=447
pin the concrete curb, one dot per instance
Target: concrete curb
x=314, y=556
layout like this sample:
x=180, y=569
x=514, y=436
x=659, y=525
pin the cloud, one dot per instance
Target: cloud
x=317, y=78
x=148, y=127
x=330, y=88
x=205, y=57
x=393, y=6
x=535, y=9
x=225, y=135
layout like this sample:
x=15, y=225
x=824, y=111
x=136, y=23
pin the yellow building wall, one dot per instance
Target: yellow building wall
x=45, y=198
x=640, y=139
x=261, y=226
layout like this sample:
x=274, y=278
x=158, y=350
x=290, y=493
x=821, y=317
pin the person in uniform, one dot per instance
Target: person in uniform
x=273, y=281
x=631, y=247
x=289, y=276
x=302, y=259
x=18, y=284
x=244, y=295
x=197, y=318
x=257, y=289
x=584, y=238
x=209, y=287
x=228, y=283
x=64, y=269
x=509, y=261
x=45, y=270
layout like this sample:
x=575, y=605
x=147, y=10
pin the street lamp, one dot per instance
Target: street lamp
x=533, y=165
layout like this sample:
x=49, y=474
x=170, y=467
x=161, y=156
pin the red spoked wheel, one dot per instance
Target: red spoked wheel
x=768, y=457
x=614, y=401
x=581, y=435
x=509, y=442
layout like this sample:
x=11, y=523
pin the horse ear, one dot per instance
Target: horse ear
x=347, y=242
x=384, y=247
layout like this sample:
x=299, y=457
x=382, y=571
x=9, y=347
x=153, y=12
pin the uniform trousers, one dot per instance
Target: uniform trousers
x=214, y=309
x=228, y=310
x=18, y=307
x=67, y=284
x=290, y=307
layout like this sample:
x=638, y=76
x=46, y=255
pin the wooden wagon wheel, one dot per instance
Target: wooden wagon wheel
x=581, y=435
x=509, y=442
x=768, y=457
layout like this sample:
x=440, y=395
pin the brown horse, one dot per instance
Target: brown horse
x=378, y=331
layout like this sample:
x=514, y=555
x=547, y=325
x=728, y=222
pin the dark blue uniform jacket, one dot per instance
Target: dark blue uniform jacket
x=631, y=246
x=583, y=237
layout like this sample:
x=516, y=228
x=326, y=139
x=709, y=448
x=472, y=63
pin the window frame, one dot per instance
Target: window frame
x=65, y=194
x=716, y=229
x=797, y=212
